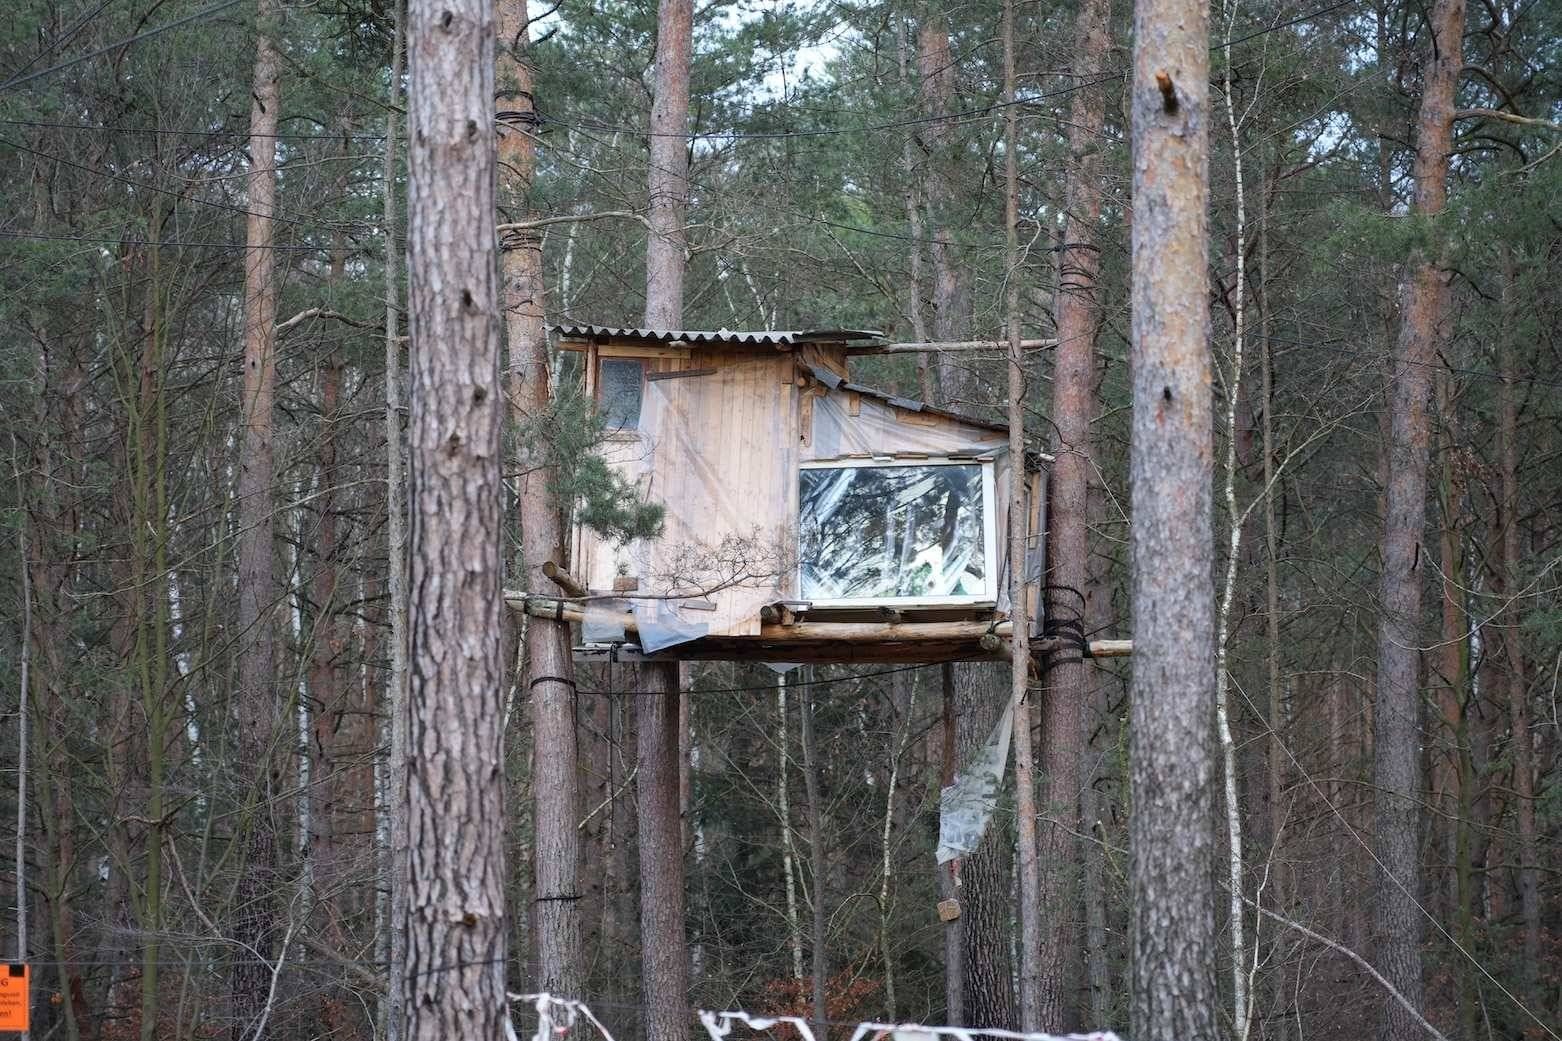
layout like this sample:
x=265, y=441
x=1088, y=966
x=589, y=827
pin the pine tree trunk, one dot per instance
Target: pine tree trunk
x=1517, y=686
x=1073, y=390
x=254, y=927
x=455, y=930
x=1396, y=771
x=951, y=305
x=550, y=666
x=663, y=943
x=1170, y=469
x=669, y=176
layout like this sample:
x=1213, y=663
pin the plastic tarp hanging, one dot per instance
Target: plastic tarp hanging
x=967, y=805
x=604, y=622
x=660, y=627
x=878, y=429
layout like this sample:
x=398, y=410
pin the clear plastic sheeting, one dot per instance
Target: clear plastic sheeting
x=660, y=627
x=604, y=622
x=886, y=532
x=967, y=805
x=878, y=430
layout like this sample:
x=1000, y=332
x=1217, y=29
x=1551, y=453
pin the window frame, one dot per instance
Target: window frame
x=620, y=433
x=990, y=560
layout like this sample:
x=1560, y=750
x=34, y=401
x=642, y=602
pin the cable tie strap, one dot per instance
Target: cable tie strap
x=550, y=679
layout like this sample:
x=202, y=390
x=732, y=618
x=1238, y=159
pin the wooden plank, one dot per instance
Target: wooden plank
x=615, y=350
x=675, y=374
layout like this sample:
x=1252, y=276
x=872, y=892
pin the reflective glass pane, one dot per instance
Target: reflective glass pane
x=892, y=531
x=618, y=392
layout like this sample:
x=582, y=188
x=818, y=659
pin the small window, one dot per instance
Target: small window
x=619, y=385
x=877, y=533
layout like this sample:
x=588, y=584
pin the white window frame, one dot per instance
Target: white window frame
x=989, y=532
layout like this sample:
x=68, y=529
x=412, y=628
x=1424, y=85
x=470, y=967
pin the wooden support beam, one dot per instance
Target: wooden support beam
x=563, y=579
x=847, y=639
x=948, y=346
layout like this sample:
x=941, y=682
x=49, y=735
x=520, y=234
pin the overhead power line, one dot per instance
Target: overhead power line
x=194, y=16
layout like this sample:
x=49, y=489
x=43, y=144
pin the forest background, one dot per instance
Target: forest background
x=845, y=171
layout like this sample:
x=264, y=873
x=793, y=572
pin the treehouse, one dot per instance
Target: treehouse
x=807, y=518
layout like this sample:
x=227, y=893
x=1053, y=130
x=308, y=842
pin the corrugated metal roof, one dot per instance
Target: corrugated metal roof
x=717, y=337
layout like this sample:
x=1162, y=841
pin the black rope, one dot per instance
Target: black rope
x=550, y=679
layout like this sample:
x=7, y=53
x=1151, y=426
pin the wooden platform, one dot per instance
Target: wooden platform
x=794, y=633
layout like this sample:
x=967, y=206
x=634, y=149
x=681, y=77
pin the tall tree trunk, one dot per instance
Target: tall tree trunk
x=254, y=926
x=550, y=666
x=936, y=67
x=1453, y=656
x=660, y=740
x=1030, y=939
x=1517, y=686
x=1396, y=771
x=817, y=866
x=331, y=714
x=1170, y=469
x=669, y=176
x=1073, y=393
x=948, y=881
x=663, y=945
x=392, y=802
x=985, y=876
x=455, y=933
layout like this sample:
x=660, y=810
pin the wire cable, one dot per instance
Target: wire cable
x=194, y=16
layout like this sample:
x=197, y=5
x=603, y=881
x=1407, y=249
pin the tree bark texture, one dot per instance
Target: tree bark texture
x=1073, y=392
x=951, y=304
x=669, y=178
x=1170, y=468
x=254, y=923
x=818, y=866
x=663, y=943
x=1513, y=638
x=550, y=666
x=985, y=876
x=455, y=933
x=393, y=806
x=1396, y=769
x=1030, y=937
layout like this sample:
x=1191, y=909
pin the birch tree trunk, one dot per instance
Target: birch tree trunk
x=1073, y=393
x=1030, y=939
x=254, y=926
x=455, y=934
x=820, y=960
x=1396, y=770
x=1170, y=469
x=550, y=664
x=393, y=784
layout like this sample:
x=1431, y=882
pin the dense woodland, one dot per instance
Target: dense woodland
x=1341, y=719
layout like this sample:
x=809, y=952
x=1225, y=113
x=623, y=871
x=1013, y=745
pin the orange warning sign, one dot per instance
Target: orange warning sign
x=14, y=997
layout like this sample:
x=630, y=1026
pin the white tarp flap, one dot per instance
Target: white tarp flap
x=966, y=806
x=878, y=430
x=660, y=627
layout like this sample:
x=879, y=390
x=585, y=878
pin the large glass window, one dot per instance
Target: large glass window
x=887, y=531
x=620, y=382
